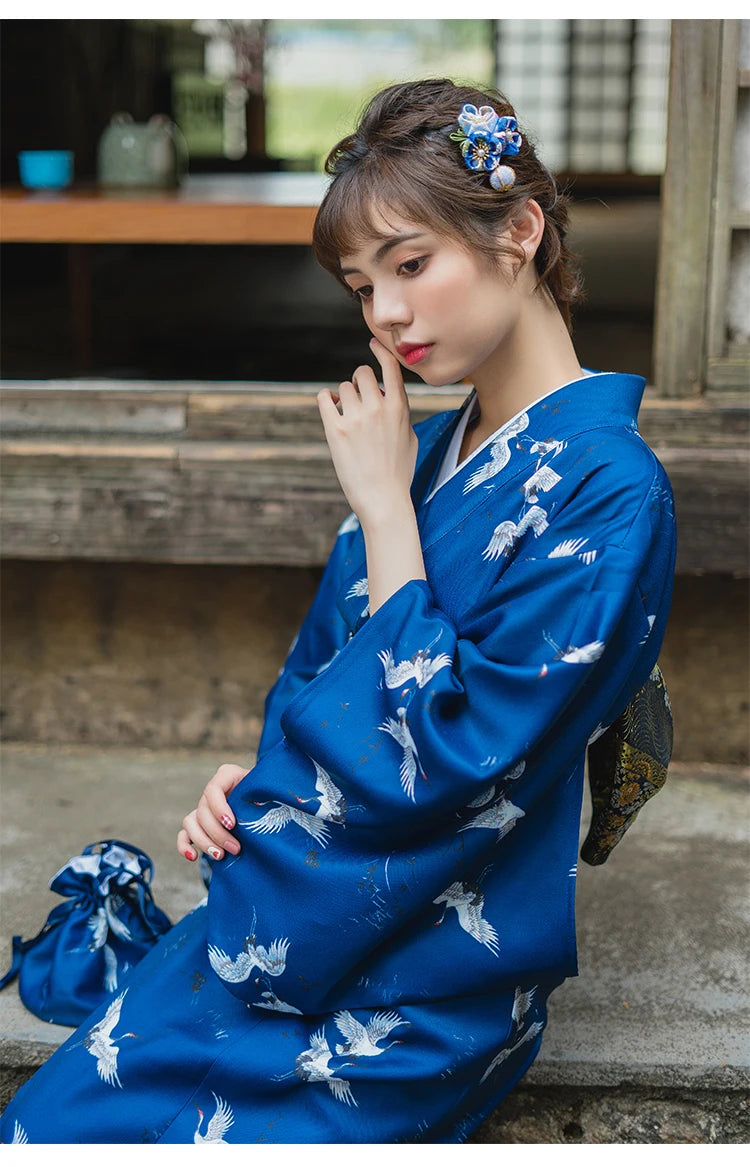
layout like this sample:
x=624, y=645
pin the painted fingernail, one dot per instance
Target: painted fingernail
x=191, y=855
x=226, y=821
x=214, y=852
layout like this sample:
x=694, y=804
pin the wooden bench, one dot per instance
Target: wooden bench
x=200, y=472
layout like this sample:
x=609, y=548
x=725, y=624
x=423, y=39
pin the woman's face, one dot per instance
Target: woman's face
x=442, y=310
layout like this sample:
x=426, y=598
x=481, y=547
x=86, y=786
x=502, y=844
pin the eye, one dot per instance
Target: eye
x=363, y=293
x=412, y=267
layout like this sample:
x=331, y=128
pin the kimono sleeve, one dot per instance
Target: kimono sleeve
x=321, y=636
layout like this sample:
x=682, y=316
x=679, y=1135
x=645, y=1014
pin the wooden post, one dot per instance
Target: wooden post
x=687, y=207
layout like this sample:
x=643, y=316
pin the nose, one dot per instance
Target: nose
x=390, y=308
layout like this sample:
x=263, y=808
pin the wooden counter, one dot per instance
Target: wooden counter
x=247, y=208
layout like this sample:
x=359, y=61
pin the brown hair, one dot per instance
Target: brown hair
x=401, y=157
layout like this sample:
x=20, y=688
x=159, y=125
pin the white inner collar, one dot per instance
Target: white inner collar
x=450, y=464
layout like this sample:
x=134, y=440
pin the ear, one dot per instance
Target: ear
x=527, y=227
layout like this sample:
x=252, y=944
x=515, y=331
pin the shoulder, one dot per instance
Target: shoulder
x=615, y=451
x=611, y=478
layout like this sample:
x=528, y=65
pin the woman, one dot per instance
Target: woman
x=392, y=897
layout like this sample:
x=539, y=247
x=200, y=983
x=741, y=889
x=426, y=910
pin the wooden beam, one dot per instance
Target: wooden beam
x=287, y=411
x=271, y=503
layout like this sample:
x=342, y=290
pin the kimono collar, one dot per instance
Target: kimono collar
x=600, y=400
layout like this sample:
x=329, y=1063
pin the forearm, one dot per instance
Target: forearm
x=394, y=552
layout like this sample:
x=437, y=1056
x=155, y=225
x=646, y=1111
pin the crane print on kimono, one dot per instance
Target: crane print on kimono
x=445, y=741
x=512, y=658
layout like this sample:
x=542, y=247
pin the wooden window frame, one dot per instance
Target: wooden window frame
x=691, y=355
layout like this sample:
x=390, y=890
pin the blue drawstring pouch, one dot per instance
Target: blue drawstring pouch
x=107, y=924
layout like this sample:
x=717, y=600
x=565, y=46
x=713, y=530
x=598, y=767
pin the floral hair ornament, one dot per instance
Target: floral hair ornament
x=485, y=137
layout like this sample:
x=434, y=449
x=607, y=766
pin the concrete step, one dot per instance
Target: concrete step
x=650, y=1044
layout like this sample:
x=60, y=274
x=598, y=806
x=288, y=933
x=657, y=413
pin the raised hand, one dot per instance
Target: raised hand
x=374, y=452
x=369, y=434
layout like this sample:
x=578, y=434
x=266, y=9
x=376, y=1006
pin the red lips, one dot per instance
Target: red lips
x=412, y=353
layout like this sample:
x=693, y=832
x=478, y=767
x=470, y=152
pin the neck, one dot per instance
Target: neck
x=535, y=357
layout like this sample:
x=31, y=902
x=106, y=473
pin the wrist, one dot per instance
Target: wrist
x=386, y=510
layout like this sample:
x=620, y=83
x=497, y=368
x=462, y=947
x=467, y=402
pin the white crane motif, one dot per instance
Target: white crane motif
x=218, y=1124
x=469, y=903
x=281, y=815
x=110, y=969
x=410, y=762
x=542, y=479
x=362, y=1040
x=112, y=904
x=332, y=804
x=506, y=534
x=104, y=918
x=529, y=1035
x=19, y=1134
x=271, y=960
x=567, y=547
x=275, y=1003
x=420, y=667
x=585, y=655
x=360, y=588
x=98, y=1041
x=522, y=1004
x=499, y=452
x=503, y=816
x=488, y=795
x=97, y=922
x=482, y=799
x=312, y=1066
x=597, y=733
x=543, y=448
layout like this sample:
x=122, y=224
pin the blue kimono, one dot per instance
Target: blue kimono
x=374, y=966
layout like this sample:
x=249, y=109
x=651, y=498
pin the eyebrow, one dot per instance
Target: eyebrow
x=388, y=245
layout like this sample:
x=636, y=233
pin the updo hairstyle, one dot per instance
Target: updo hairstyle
x=401, y=158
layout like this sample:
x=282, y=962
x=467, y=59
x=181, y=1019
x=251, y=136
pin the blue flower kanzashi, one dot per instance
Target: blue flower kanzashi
x=485, y=138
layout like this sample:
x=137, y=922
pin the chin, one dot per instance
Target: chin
x=438, y=379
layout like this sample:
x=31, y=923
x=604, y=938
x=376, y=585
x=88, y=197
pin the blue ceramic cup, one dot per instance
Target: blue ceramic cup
x=46, y=169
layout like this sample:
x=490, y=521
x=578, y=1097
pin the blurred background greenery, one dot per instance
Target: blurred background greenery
x=309, y=105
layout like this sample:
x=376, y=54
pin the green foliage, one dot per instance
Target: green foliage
x=304, y=121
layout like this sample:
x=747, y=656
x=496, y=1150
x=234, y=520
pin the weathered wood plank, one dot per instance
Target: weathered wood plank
x=288, y=413
x=293, y=417
x=712, y=504
x=729, y=373
x=41, y=412
x=216, y=502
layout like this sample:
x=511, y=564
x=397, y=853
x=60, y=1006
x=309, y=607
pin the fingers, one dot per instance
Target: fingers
x=207, y=827
x=366, y=383
x=205, y=834
x=393, y=378
x=185, y=847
